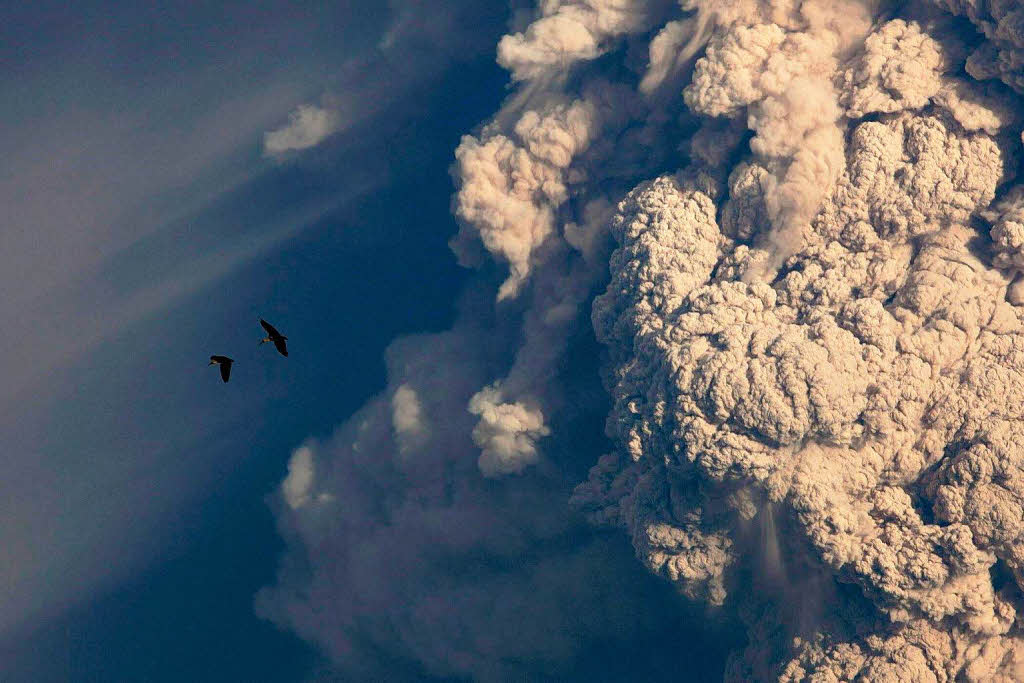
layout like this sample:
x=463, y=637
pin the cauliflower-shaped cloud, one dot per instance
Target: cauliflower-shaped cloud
x=901, y=68
x=1007, y=217
x=1001, y=54
x=512, y=185
x=915, y=652
x=783, y=76
x=869, y=393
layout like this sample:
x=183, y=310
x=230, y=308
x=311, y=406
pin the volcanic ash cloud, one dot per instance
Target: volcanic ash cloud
x=868, y=398
x=804, y=228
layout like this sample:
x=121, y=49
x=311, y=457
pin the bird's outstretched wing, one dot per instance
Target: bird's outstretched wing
x=271, y=330
x=225, y=365
x=279, y=344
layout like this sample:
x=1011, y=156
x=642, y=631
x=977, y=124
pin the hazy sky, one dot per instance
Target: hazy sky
x=145, y=228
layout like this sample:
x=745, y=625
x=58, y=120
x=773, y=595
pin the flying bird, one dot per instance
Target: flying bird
x=274, y=336
x=225, y=365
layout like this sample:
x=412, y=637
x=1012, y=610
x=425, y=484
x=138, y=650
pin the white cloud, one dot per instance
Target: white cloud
x=307, y=126
x=299, y=482
x=407, y=418
x=507, y=433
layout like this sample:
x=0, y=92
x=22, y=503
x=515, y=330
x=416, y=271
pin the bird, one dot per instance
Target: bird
x=225, y=365
x=274, y=336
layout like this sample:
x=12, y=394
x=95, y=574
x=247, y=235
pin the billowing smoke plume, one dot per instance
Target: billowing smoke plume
x=866, y=401
x=1001, y=53
x=777, y=65
x=567, y=31
x=808, y=226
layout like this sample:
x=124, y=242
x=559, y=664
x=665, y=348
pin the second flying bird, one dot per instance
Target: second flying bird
x=274, y=336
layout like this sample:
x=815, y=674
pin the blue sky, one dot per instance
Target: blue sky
x=146, y=230
x=150, y=231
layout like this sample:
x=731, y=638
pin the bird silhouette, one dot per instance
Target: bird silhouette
x=225, y=366
x=274, y=336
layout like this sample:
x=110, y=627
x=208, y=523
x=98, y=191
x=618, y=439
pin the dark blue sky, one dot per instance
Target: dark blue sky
x=148, y=231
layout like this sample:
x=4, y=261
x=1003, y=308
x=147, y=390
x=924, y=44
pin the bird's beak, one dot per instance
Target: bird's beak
x=211, y=363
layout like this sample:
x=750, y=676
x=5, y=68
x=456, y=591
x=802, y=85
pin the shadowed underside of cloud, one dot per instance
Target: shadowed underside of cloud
x=812, y=332
x=410, y=551
x=403, y=552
